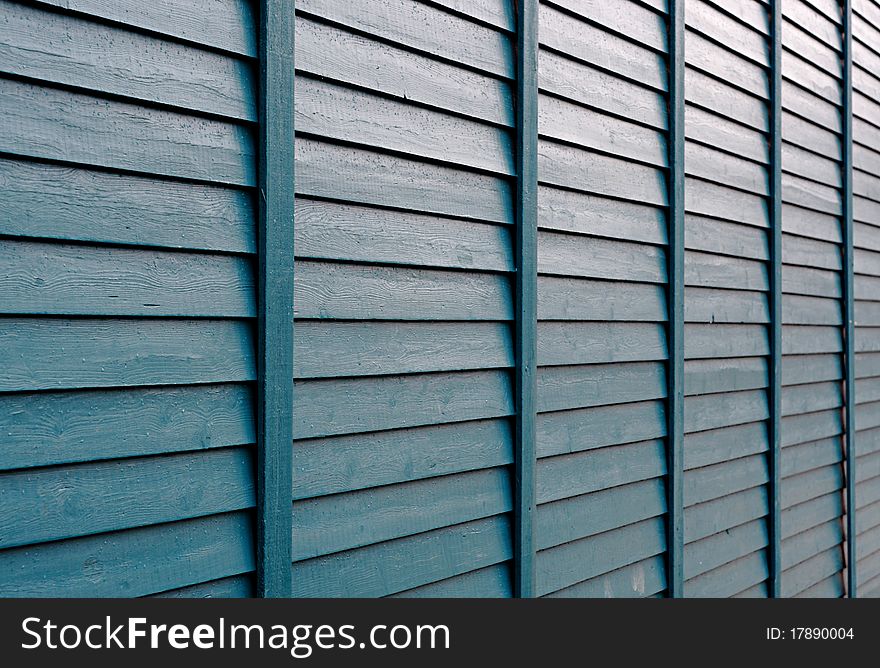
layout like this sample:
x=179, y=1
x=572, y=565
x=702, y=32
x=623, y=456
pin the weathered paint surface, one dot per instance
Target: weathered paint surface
x=585, y=299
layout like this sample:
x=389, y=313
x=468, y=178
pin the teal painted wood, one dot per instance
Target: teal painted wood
x=275, y=341
x=775, y=370
x=676, y=278
x=526, y=289
x=849, y=310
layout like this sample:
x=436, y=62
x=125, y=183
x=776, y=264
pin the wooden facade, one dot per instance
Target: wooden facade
x=469, y=298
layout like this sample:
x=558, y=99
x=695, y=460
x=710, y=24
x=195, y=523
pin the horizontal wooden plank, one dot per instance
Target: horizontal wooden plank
x=594, y=130
x=724, y=169
x=811, y=282
x=720, y=480
x=805, y=73
x=720, y=340
x=811, y=339
x=347, y=463
x=725, y=238
x=325, y=350
x=593, y=470
x=569, y=211
x=811, y=455
x=489, y=582
x=355, y=175
x=348, y=406
x=711, y=376
x=61, y=354
x=810, y=426
x=638, y=580
x=717, y=271
x=164, y=556
x=569, y=167
x=595, y=342
x=805, y=252
x=63, y=502
x=570, y=35
x=867, y=364
x=809, y=165
x=498, y=13
x=375, y=65
x=587, y=85
x=731, y=578
x=329, y=230
x=710, y=199
x=706, y=448
x=716, y=25
x=564, y=432
x=351, y=115
x=42, y=200
x=577, y=517
x=807, y=133
x=798, y=310
x=562, y=298
x=574, y=562
x=725, y=101
x=811, y=195
x=58, y=428
x=810, y=513
x=230, y=25
x=866, y=262
x=753, y=14
x=624, y=17
x=711, y=129
x=810, y=485
x=63, y=49
x=806, y=545
x=811, y=571
x=607, y=259
x=324, y=290
x=237, y=586
x=41, y=278
x=711, y=517
x=711, y=305
x=726, y=65
x=340, y=522
x=71, y=127
x=566, y=387
x=799, y=39
x=721, y=548
x=713, y=411
x=814, y=225
x=395, y=566
x=423, y=28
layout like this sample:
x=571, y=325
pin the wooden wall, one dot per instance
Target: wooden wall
x=127, y=170
x=129, y=298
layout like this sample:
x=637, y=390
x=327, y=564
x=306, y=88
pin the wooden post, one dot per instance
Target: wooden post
x=675, y=404
x=775, y=371
x=849, y=316
x=526, y=285
x=275, y=322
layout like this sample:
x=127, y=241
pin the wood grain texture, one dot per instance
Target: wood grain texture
x=65, y=126
x=132, y=563
x=53, y=428
x=62, y=354
x=64, y=502
x=67, y=50
x=58, y=202
x=57, y=279
x=223, y=24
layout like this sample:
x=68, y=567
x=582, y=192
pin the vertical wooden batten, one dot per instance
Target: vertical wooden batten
x=275, y=339
x=526, y=295
x=675, y=416
x=849, y=316
x=775, y=375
